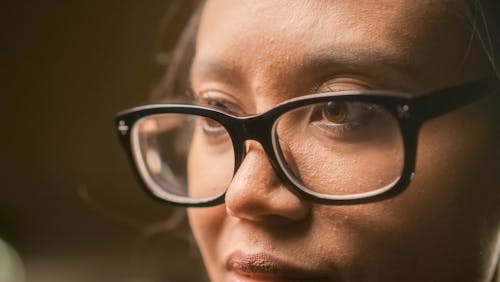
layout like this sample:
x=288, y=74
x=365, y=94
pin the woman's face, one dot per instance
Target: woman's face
x=443, y=227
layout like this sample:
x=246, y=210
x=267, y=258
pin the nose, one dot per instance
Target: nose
x=257, y=194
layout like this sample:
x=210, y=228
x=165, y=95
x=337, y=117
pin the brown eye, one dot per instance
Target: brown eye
x=335, y=112
x=347, y=118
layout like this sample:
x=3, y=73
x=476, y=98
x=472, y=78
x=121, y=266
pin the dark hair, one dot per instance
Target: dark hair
x=175, y=49
x=485, y=20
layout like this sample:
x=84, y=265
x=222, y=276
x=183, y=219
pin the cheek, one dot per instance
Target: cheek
x=445, y=224
x=210, y=167
x=451, y=209
x=458, y=161
x=207, y=226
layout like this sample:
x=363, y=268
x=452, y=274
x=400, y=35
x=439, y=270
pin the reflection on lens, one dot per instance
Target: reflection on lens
x=153, y=161
x=341, y=147
x=183, y=156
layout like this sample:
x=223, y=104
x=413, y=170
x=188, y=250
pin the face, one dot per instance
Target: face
x=443, y=227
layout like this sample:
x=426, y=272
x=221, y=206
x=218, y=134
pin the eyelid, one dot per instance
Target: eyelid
x=342, y=84
x=215, y=95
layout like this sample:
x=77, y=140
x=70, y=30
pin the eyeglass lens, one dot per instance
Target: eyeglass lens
x=176, y=151
x=341, y=147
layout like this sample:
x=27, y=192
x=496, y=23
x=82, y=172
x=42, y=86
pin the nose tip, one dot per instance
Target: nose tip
x=256, y=193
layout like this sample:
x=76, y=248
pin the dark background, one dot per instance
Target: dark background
x=69, y=203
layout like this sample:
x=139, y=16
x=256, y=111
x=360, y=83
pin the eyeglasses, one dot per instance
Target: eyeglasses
x=345, y=147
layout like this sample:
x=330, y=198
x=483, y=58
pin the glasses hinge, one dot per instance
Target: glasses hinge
x=122, y=127
x=403, y=111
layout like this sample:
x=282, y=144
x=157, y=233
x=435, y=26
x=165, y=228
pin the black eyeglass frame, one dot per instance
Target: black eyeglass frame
x=410, y=110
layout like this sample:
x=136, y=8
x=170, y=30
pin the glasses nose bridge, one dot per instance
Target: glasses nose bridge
x=259, y=128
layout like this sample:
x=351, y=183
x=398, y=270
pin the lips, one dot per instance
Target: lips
x=264, y=267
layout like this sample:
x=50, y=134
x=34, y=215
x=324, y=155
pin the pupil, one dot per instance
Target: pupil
x=335, y=112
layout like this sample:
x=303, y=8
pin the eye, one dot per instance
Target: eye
x=335, y=112
x=219, y=100
x=211, y=127
x=213, y=131
x=340, y=113
x=346, y=119
x=218, y=104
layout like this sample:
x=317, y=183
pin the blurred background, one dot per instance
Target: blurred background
x=69, y=204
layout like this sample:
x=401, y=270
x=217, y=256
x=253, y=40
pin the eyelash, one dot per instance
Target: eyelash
x=217, y=100
x=367, y=115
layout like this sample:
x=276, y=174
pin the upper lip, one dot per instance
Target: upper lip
x=263, y=265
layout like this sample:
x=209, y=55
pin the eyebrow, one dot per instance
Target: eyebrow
x=375, y=62
x=214, y=67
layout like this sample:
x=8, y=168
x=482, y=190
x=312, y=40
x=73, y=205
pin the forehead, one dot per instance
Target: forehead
x=308, y=18
x=258, y=36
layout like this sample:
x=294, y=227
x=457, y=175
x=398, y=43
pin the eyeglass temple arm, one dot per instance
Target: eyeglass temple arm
x=442, y=101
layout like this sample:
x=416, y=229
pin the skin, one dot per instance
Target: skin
x=444, y=227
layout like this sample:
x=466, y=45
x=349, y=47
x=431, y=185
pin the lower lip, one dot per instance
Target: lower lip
x=262, y=267
x=235, y=277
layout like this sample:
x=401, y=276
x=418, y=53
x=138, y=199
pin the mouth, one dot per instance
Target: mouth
x=262, y=267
